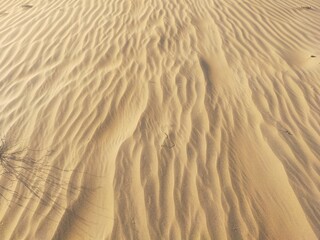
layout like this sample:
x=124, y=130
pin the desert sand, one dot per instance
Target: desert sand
x=128, y=119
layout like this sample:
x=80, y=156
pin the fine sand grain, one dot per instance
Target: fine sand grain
x=180, y=119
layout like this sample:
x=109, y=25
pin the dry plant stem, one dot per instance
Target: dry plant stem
x=19, y=166
x=169, y=146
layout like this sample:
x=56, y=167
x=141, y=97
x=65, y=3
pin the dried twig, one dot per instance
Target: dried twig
x=169, y=143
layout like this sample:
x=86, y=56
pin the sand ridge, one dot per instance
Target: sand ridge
x=160, y=119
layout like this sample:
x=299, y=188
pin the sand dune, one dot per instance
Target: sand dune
x=160, y=119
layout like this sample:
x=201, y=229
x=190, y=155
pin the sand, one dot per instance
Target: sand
x=128, y=119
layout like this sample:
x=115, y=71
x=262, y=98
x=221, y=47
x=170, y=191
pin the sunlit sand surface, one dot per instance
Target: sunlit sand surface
x=128, y=119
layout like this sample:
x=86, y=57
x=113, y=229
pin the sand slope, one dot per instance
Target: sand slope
x=160, y=119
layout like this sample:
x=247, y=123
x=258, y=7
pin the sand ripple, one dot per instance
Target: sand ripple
x=160, y=119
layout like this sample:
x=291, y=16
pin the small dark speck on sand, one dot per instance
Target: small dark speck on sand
x=313, y=56
x=26, y=6
x=307, y=8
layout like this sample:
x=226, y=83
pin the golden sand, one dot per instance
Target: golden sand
x=128, y=119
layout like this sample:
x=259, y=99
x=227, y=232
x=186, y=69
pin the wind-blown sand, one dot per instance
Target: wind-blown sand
x=160, y=119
